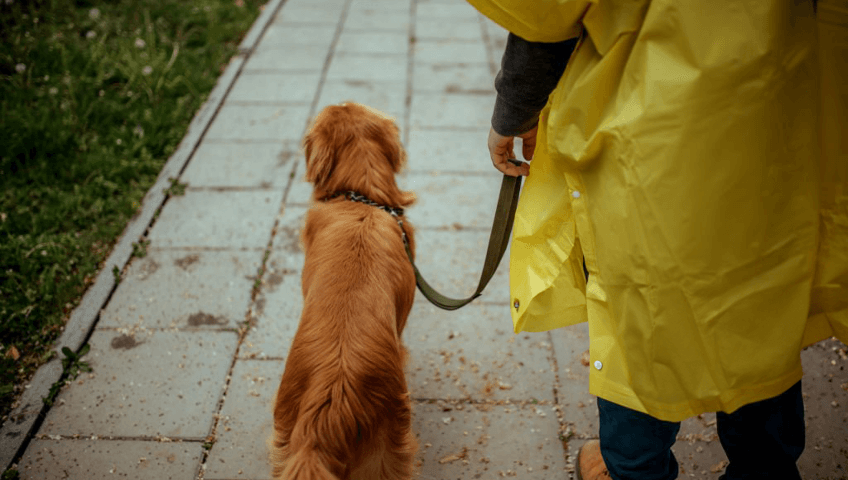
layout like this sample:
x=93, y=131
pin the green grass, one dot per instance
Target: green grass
x=94, y=97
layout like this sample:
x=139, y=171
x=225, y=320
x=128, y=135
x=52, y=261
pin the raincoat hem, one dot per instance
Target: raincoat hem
x=823, y=326
x=728, y=402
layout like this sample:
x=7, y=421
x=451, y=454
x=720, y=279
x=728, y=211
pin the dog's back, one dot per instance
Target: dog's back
x=342, y=410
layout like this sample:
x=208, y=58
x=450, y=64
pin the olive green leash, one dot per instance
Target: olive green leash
x=498, y=241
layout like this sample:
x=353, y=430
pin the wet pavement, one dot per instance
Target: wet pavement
x=188, y=350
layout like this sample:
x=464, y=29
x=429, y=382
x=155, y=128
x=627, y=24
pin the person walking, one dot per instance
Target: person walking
x=694, y=157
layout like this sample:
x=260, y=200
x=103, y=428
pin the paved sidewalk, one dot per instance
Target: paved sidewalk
x=189, y=350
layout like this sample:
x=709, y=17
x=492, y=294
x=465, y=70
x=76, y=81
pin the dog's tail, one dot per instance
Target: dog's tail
x=326, y=432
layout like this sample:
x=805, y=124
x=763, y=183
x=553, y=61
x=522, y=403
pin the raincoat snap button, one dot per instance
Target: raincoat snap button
x=598, y=365
x=575, y=194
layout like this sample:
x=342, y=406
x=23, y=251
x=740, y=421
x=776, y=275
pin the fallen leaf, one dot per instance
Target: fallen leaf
x=584, y=358
x=13, y=353
x=454, y=457
x=719, y=466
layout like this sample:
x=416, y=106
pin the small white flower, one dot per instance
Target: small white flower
x=53, y=90
x=20, y=68
x=101, y=93
x=94, y=14
x=46, y=78
x=140, y=43
x=138, y=131
x=147, y=70
x=119, y=141
x=90, y=34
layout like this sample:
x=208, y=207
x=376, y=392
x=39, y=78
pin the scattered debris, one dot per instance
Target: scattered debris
x=719, y=466
x=462, y=455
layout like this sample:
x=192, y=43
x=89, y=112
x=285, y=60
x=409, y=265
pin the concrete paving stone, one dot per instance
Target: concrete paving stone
x=246, y=421
x=381, y=5
x=390, y=42
x=449, y=12
x=824, y=385
x=234, y=219
x=377, y=20
x=452, y=110
x=450, y=50
x=303, y=13
x=438, y=29
x=279, y=87
x=452, y=202
x=287, y=240
x=278, y=309
x=448, y=150
x=466, y=78
x=184, y=289
x=337, y=4
x=497, y=36
x=451, y=261
x=280, y=300
x=471, y=353
x=487, y=441
x=300, y=191
x=259, y=122
x=146, y=384
x=237, y=164
x=290, y=35
x=110, y=459
x=304, y=58
x=375, y=68
x=388, y=97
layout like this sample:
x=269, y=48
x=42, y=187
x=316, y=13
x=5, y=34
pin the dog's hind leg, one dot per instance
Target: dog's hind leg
x=385, y=460
x=390, y=455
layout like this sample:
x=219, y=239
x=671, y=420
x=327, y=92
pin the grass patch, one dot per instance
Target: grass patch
x=94, y=98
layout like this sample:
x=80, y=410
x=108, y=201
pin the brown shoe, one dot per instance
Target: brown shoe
x=590, y=464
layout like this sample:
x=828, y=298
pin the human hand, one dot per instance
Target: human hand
x=500, y=150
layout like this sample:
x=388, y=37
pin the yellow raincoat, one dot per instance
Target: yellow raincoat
x=697, y=155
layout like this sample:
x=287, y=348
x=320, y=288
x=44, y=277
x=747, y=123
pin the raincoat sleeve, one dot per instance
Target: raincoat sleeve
x=529, y=73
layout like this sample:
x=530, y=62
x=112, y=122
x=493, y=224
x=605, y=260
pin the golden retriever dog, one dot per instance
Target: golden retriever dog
x=343, y=410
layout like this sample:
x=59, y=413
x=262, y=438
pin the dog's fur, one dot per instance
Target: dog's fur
x=342, y=410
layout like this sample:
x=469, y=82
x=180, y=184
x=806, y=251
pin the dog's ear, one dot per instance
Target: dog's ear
x=319, y=146
x=388, y=137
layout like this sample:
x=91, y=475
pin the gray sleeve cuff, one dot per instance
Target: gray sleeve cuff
x=511, y=120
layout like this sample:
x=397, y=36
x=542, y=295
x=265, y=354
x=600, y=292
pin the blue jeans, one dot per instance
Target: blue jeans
x=762, y=440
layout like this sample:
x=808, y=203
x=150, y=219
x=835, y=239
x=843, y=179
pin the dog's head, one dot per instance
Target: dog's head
x=354, y=147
